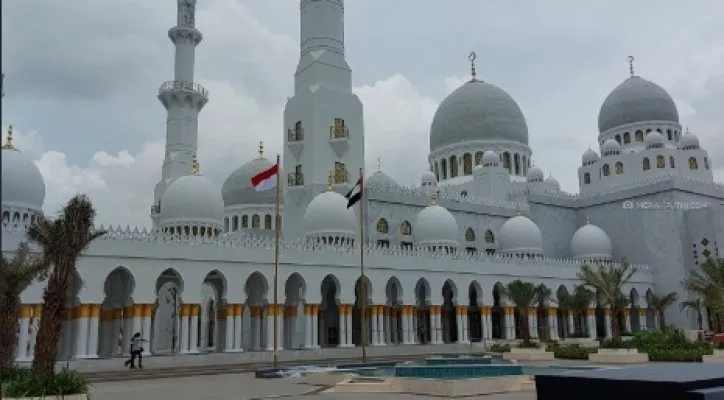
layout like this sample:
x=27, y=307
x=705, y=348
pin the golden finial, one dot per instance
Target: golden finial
x=588, y=219
x=433, y=199
x=194, y=165
x=472, y=57
x=9, y=142
x=379, y=165
x=630, y=65
x=261, y=149
x=329, y=181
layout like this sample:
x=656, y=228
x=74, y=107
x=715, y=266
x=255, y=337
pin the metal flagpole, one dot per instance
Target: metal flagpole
x=363, y=314
x=277, y=235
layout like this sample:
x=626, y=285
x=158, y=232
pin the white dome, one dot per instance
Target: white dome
x=520, y=235
x=591, y=242
x=689, y=141
x=428, y=178
x=654, y=139
x=192, y=198
x=553, y=182
x=490, y=158
x=636, y=100
x=327, y=213
x=609, y=147
x=237, y=188
x=22, y=184
x=436, y=226
x=382, y=179
x=589, y=157
x=534, y=174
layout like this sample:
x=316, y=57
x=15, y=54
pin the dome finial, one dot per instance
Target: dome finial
x=517, y=209
x=194, y=165
x=472, y=57
x=588, y=219
x=631, y=65
x=329, y=181
x=379, y=164
x=10, y=133
x=433, y=199
x=261, y=149
x=9, y=142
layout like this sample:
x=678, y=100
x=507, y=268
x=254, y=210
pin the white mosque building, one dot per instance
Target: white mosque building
x=436, y=255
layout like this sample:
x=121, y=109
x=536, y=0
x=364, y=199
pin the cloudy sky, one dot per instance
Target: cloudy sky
x=82, y=77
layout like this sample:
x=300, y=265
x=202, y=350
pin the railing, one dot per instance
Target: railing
x=295, y=135
x=338, y=132
x=295, y=179
x=183, y=85
x=155, y=209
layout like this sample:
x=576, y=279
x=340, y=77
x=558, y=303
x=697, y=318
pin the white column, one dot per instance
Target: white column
x=375, y=328
x=460, y=324
x=146, y=329
x=269, y=328
x=591, y=317
x=315, y=326
x=127, y=326
x=571, y=323
x=533, y=325
x=194, y=329
x=342, y=326
x=279, y=318
x=627, y=319
x=238, y=327
x=33, y=334
x=348, y=319
x=391, y=326
x=81, y=344
x=552, y=320
x=229, y=338
x=413, y=322
x=607, y=323
x=488, y=328
x=24, y=335
x=93, y=324
x=438, y=325
x=137, y=320
x=642, y=319
x=509, y=323
x=185, y=328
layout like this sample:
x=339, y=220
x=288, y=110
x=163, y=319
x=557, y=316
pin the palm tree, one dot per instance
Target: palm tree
x=607, y=281
x=524, y=296
x=578, y=304
x=708, y=283
x=659, y=304
x=544, y=296
x=696, y=306
x=62, y=241
x=16, y=275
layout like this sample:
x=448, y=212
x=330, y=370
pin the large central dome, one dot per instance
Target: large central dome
x=636, y=100
x=477, y=110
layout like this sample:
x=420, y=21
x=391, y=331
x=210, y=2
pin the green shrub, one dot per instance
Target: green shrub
x=572, y=352
x=15, y=373
x=617, y=344
x=23, y=383
x=678, y=355
x=500, y=348
x=528, y=345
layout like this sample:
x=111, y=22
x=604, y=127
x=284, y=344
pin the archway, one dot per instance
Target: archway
x=362, y=296
x=68, y=342
x=564, y=314
x=257, y=327
x=475, y=325
x=423, y=325
x=295, y=335
x=213, y=299
x=329, y=315
x=118, y=288
x=394, y=330
x=497, y=313
x=634, y=318
x=171, y=330
x=449, y=312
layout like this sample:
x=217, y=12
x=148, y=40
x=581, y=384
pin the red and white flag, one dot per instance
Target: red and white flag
x=266, y=179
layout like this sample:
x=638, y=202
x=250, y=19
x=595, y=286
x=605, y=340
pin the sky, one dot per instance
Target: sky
x=82, y=78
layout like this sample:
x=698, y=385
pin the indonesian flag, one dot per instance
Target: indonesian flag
x=266, y=179
x=355, y=194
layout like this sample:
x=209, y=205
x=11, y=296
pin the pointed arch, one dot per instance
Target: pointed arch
x=489, y=237
x=467, y=164
x=470, y=235
x=405, y=228
x=383, y=226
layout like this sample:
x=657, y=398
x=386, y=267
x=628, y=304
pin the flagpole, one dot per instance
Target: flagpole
x=363, y=314
x=277, y=235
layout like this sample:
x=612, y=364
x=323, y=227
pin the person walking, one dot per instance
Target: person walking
x=136, y=352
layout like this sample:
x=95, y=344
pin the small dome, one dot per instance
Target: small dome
x=589, y=157
x=477, y=110
x=428, y=179
x=534, y=174
x=610, y=147
x=327, y=213
x=591, y=242
x=192, y=198
x=689, y=141
x=436, y=226
x=382, y=179
x=654, y=139
x=490, y=158
x=22, y=183
x=636, y=100
x=520, y=235
x=237, y=188
x=553, y=182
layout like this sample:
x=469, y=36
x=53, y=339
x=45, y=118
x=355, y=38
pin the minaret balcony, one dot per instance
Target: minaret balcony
x=295, y=179
x=339, y=138
x=337, y=132
x=179, y=34
x=173, y=92
x=295, y=135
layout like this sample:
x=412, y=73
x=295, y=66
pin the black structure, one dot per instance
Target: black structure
x=676, y=381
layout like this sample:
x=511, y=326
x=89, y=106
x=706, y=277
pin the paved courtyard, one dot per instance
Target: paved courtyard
x=241, y=386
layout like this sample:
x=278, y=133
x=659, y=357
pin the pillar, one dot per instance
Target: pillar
x=486, y=321
x=591, y=320
x=553, y=323
x=228, y=311
x=34, y=325
x=438, y=325
x=68, y=333
x=571, y=323
x=390, y=329
x=185, y=328
x=373, y=325
x=627, y=320
x=462, y=320
x=195, y=310
x=128, y=327
x=509, y=323
x=315, y=326
x=238, y=328
x=415, y=338
x=607, y=322
x=279, y=321
x=26, y=312
x=94, y=321
x=406, y=323
x=643, y=321
x=146, y=324
x=348, y=325
x=533, y=323
x=256, y=329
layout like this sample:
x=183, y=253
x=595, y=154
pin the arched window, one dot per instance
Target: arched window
x=255, y=222
x=619, y=168
x=470, y=235
x=692, y=163
x=443, y=168
x=226, y=224
x=479, y=158
x=672, y=164
x=405, y=228
x=660, y=162
x=668, y=134
x=340, y=173
x=516, y=162
x=618, y=139
x=639, y=136
x=646, y=164
x=267, y=221
x=235, y=223
x=586, y=178
x=467, y=164
x=382, y=226
x=506, y=161
x=245, y=221
x=626, y=138
x=453, y=166
x=489, y=237
x=706, y=163
x=606, y=170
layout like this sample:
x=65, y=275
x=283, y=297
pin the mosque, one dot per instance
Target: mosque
x=435, y=255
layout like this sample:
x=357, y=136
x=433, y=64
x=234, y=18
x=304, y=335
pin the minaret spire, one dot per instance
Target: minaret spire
x=176, y=96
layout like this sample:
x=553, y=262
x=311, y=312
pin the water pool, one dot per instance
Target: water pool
x=447, y=372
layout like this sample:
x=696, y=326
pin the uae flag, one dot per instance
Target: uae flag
x=355, y=194
x=266, y=179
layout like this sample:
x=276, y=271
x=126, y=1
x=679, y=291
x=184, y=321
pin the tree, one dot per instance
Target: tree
x=708, y=283
x=543, y=298
x=62, y=242
x=659, y=304
x=524, y=296
x=607, y=281
x=578, y=303
x=16, y=275
x=696, y=306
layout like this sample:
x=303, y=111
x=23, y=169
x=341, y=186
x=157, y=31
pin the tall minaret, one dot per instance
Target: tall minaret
x=323, y=126
x=183, y=99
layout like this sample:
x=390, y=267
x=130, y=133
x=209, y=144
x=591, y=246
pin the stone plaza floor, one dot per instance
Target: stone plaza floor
x=242, y=386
